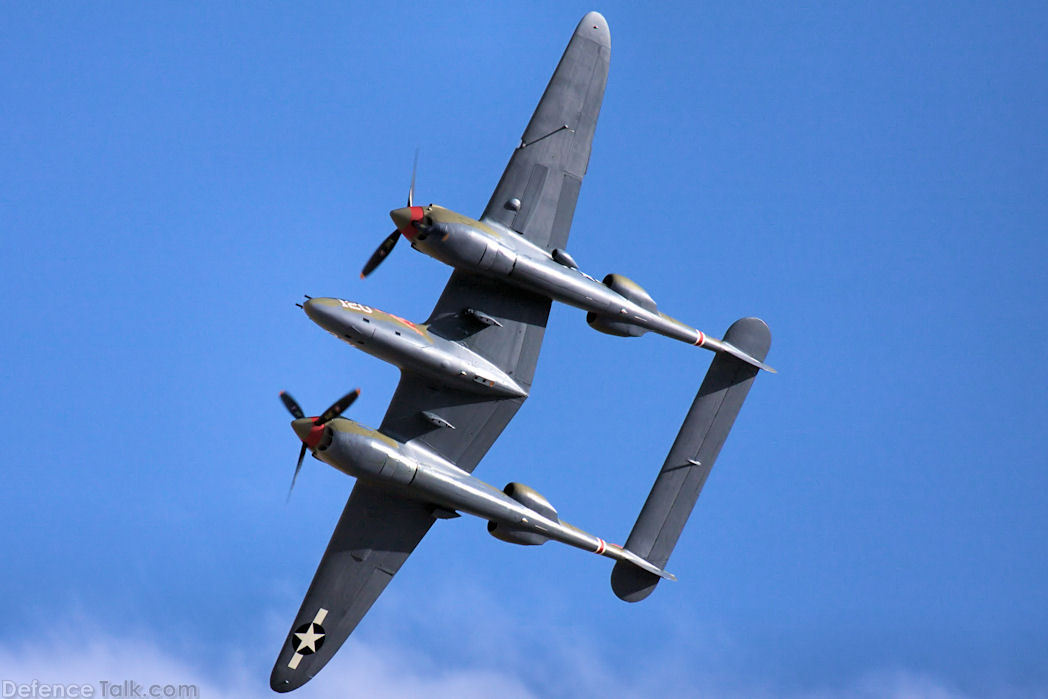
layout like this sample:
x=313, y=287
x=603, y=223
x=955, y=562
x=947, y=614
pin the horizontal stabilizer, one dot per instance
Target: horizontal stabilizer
x=691, y=457
x=728, y=348
x=624, y=556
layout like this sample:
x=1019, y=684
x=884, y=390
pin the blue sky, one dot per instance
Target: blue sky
x=870, y=180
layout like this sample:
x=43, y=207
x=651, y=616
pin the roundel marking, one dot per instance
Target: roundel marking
x=308, y=638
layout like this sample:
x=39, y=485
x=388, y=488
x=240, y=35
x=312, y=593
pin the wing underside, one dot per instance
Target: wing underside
x=375, y=535
x=546, y=170
x=379, y=530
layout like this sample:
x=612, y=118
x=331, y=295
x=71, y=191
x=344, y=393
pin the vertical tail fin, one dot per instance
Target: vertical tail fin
x=691, y=457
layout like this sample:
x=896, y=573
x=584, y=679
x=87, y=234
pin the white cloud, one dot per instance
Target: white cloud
x=86, y=656
x=563, y=663
x=899, y=684
x=75, y=659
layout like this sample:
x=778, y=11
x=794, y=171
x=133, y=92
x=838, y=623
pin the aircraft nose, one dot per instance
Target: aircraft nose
x=312, y=308
x=322, y=311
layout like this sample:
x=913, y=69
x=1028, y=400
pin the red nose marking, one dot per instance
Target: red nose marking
x=410, y=231
x=315, y=435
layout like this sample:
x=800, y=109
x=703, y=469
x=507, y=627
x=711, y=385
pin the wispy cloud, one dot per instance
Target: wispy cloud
x=559, y=664
x=82, y=654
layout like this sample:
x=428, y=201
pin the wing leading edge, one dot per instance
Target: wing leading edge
x=545, y=171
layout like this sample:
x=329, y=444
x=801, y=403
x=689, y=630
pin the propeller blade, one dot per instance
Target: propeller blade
x=411, y=189
x=298, y=467
x=383, y=250
x=292, y=405
x=338, y=407
x=380, y=254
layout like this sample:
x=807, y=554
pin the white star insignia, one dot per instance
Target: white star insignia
x=309, y=639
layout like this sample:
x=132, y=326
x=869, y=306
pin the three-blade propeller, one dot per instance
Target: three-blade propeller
x=336, y=409
x=386, y=246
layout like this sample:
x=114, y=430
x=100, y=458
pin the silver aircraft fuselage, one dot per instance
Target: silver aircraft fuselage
x=410, y=346
x=417, y=473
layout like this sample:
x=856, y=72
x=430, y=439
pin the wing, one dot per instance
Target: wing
x=373, y=538
x=513, y=345
x=378, y=530
x=546, y=170
x=545, y=174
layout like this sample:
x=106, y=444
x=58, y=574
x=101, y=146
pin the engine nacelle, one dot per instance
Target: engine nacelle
x=629, y=289
x=531, y=499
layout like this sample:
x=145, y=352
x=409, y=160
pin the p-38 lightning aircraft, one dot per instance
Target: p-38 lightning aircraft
x=468, y=369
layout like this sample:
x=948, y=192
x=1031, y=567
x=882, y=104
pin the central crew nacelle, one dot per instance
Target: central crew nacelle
x=410, y=346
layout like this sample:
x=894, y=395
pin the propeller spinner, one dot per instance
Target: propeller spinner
x=311, y=429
